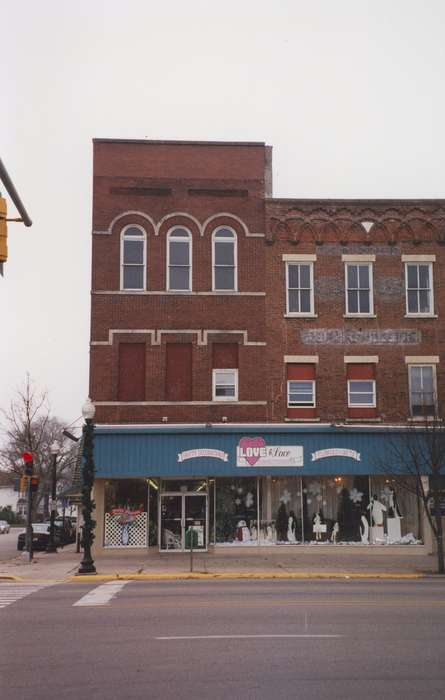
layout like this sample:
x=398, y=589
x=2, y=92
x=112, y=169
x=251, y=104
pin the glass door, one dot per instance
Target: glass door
x=195, y=512
x=171, y=521
x=180, y=516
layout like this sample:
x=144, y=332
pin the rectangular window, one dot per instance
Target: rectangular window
x=301, y=394
x=301, y=399
x=178, y=371
x=419, y=288
x=422, y=390
x=131, y=384
x=359, y=297
x=300, y=289
x=225, y=385
x=361, y=393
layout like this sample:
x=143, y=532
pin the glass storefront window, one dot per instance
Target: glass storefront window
x=395, y=510
x=126, y=503
x=281, y=520
x=336, y=508
x=236, y=511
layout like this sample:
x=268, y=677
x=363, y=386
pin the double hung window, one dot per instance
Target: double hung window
x=133, y=258
x=300, y=288
x=419, y=288
x=301, y=394
x=225, y=385
x=179, y=256
x=422, y=390
x=359, y=289
x=361, y=393
x=224, y=260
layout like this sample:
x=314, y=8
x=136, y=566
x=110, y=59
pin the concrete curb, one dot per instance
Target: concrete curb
x=242, y=575
x=8, y=577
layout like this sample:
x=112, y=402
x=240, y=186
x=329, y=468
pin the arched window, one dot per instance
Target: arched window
x=179, y=260
x=133, y=258
x=224, y=275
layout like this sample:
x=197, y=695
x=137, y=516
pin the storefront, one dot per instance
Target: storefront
x=250, y=486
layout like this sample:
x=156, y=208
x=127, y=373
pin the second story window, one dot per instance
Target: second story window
x=300, y=289
x=419, y=289
x=224, y=260
x=361, y=393
x=179, y=266
x=301, y=394
x=225, y=385
x=133, y=258
x=422, y=390
x=359, y=289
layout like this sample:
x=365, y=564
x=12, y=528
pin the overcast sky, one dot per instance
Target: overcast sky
x=350, y=94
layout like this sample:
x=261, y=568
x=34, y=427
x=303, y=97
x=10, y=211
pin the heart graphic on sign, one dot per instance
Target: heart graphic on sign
x=255, y=442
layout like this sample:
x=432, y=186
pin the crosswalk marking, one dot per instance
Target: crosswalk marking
x=102, y=594
x=11, y=592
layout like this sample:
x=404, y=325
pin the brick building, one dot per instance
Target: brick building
x=248, y=353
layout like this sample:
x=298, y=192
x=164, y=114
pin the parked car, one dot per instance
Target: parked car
x=40, y=537
x=4, y=527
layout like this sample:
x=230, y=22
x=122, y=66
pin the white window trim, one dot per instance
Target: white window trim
x=422, y=364
x=362, y=405
x=170, y=235
x=430, y=313
x=367, y=314
x=144, y=258
x=224, y=399
x=233, y=240
x=312, y=404
x=299, y=314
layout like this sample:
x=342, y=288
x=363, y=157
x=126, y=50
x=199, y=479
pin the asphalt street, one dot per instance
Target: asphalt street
x=239, y=639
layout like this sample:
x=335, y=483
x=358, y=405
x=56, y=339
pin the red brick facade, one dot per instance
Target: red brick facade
x=200, y=186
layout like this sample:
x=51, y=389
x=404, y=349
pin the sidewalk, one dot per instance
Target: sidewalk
x=274, y=562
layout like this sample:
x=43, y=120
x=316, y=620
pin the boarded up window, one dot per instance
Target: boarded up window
x=225, y=355
x=178, y=372
x=361, y=371
x=131, y=372
x=301, y=371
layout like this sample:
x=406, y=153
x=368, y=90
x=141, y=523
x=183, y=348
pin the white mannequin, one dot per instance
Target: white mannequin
x=317, y=526
x=377, y=509
x=393, y=522
x=364, y=530
x=291, y=529
x=334, y=533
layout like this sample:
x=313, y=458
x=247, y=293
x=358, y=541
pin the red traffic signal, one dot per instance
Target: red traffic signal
x=29, y=463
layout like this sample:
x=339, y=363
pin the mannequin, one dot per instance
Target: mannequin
x=291, y=527
x=394, y=518
x=334, y=533
x=377, y=530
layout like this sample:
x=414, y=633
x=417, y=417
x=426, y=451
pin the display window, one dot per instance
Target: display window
x=395, y=509
x=236, y=511
x=126, y=516
x=280, y=520
x=335, y=509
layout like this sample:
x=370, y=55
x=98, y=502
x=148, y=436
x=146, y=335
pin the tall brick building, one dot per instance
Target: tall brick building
x=249, y=353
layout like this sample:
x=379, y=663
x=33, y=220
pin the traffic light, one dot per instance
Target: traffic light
x=34, y=485
x=29, y=463
x=3, y=232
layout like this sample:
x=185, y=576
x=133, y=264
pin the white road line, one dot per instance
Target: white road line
x=102, y=594
x=255, y=636
x=11, y=592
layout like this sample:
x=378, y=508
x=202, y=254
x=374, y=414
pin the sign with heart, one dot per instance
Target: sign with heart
x=254, y=452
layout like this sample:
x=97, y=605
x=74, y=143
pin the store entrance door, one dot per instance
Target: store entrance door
x=183, y=516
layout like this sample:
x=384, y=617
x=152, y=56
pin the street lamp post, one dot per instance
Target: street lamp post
x=87, y=563
x=51, y=547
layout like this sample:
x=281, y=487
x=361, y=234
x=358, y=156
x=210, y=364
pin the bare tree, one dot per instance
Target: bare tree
x=28, y=426
x=413, y=452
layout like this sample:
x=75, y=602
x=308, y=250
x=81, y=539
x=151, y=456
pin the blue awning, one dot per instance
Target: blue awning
x=191, y=451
